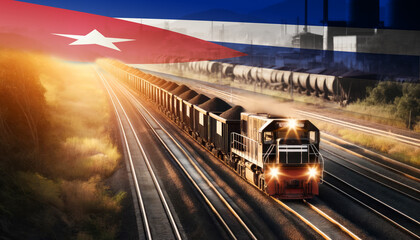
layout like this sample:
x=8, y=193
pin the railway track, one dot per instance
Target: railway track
x=157, y=218
x=384, y=162
x=395, y=217
x=375, y=176
x=398, y=137
x=399, y=219
x=318, y=220
x=232, y=222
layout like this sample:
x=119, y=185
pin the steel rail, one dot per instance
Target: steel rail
x=398, y=137
x=302, y=218
x=333, y=221
x=373, y=179
x=377, y=201
x=372, y=161
x=307, y=222
x=149, y=167
x=137, y=187
x=170, y=151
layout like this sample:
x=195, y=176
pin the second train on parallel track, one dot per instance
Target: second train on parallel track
x=278, y=155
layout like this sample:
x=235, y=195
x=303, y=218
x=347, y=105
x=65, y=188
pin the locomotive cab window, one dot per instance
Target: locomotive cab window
x=313, y=137
x=268, y=138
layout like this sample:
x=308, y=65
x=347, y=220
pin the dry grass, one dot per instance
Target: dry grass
x=81, y=115
x=91, y=203
x=85, y=154
x=86, y=157
x=58, y=190
x=44, y=189
x=383, y=114
x=86, y=197
x=394, y=149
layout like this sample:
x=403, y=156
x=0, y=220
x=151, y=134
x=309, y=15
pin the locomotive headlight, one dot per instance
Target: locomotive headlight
x=274, y=172
x=292, y=123
x=312, y=172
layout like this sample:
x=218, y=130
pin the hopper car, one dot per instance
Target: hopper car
x=278, y=155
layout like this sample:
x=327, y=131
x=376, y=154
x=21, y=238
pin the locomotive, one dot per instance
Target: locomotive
x=278, y=155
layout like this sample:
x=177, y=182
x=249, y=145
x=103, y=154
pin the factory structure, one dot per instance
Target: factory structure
x=360, y=42
x=351, y=36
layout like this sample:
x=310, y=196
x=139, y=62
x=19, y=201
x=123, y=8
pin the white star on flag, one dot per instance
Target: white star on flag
x=95, y=37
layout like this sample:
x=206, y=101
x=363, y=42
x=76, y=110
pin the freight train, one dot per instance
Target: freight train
x=280, y=156
x=334, y=85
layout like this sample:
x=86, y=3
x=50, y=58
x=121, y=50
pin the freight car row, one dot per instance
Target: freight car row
x=279, y=155
x=338, y=86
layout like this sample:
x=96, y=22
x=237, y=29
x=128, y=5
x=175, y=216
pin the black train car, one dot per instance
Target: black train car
x=174, y=108
x=188, y=95
x=189, y=114
x=221, y=128
x=159, y=85
x=166, y=96
x=149, y=86
x=159, y=92
x=201, y=117
x=155, y=87
x=352, y=86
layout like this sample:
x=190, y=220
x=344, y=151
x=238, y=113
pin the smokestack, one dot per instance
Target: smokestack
x=305, y=29
x=364, y=13
x=325, y=12
x=404, y=14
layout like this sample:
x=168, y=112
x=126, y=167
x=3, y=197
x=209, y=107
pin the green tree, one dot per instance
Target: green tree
x=384, y=93
x=408, y=106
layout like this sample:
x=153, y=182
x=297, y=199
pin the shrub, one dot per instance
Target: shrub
x=408, y=106
x=384, y=93
x=55, y=151
x=402, y=98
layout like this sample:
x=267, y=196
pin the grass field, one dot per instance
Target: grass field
x=56, y=151
x=391, y=148
x=86, y=154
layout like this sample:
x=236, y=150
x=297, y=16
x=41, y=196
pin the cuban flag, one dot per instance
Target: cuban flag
x=85, y=37
x=377, y=38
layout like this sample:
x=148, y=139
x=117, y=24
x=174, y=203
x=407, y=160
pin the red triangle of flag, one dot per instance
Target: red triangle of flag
x=86, y=37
